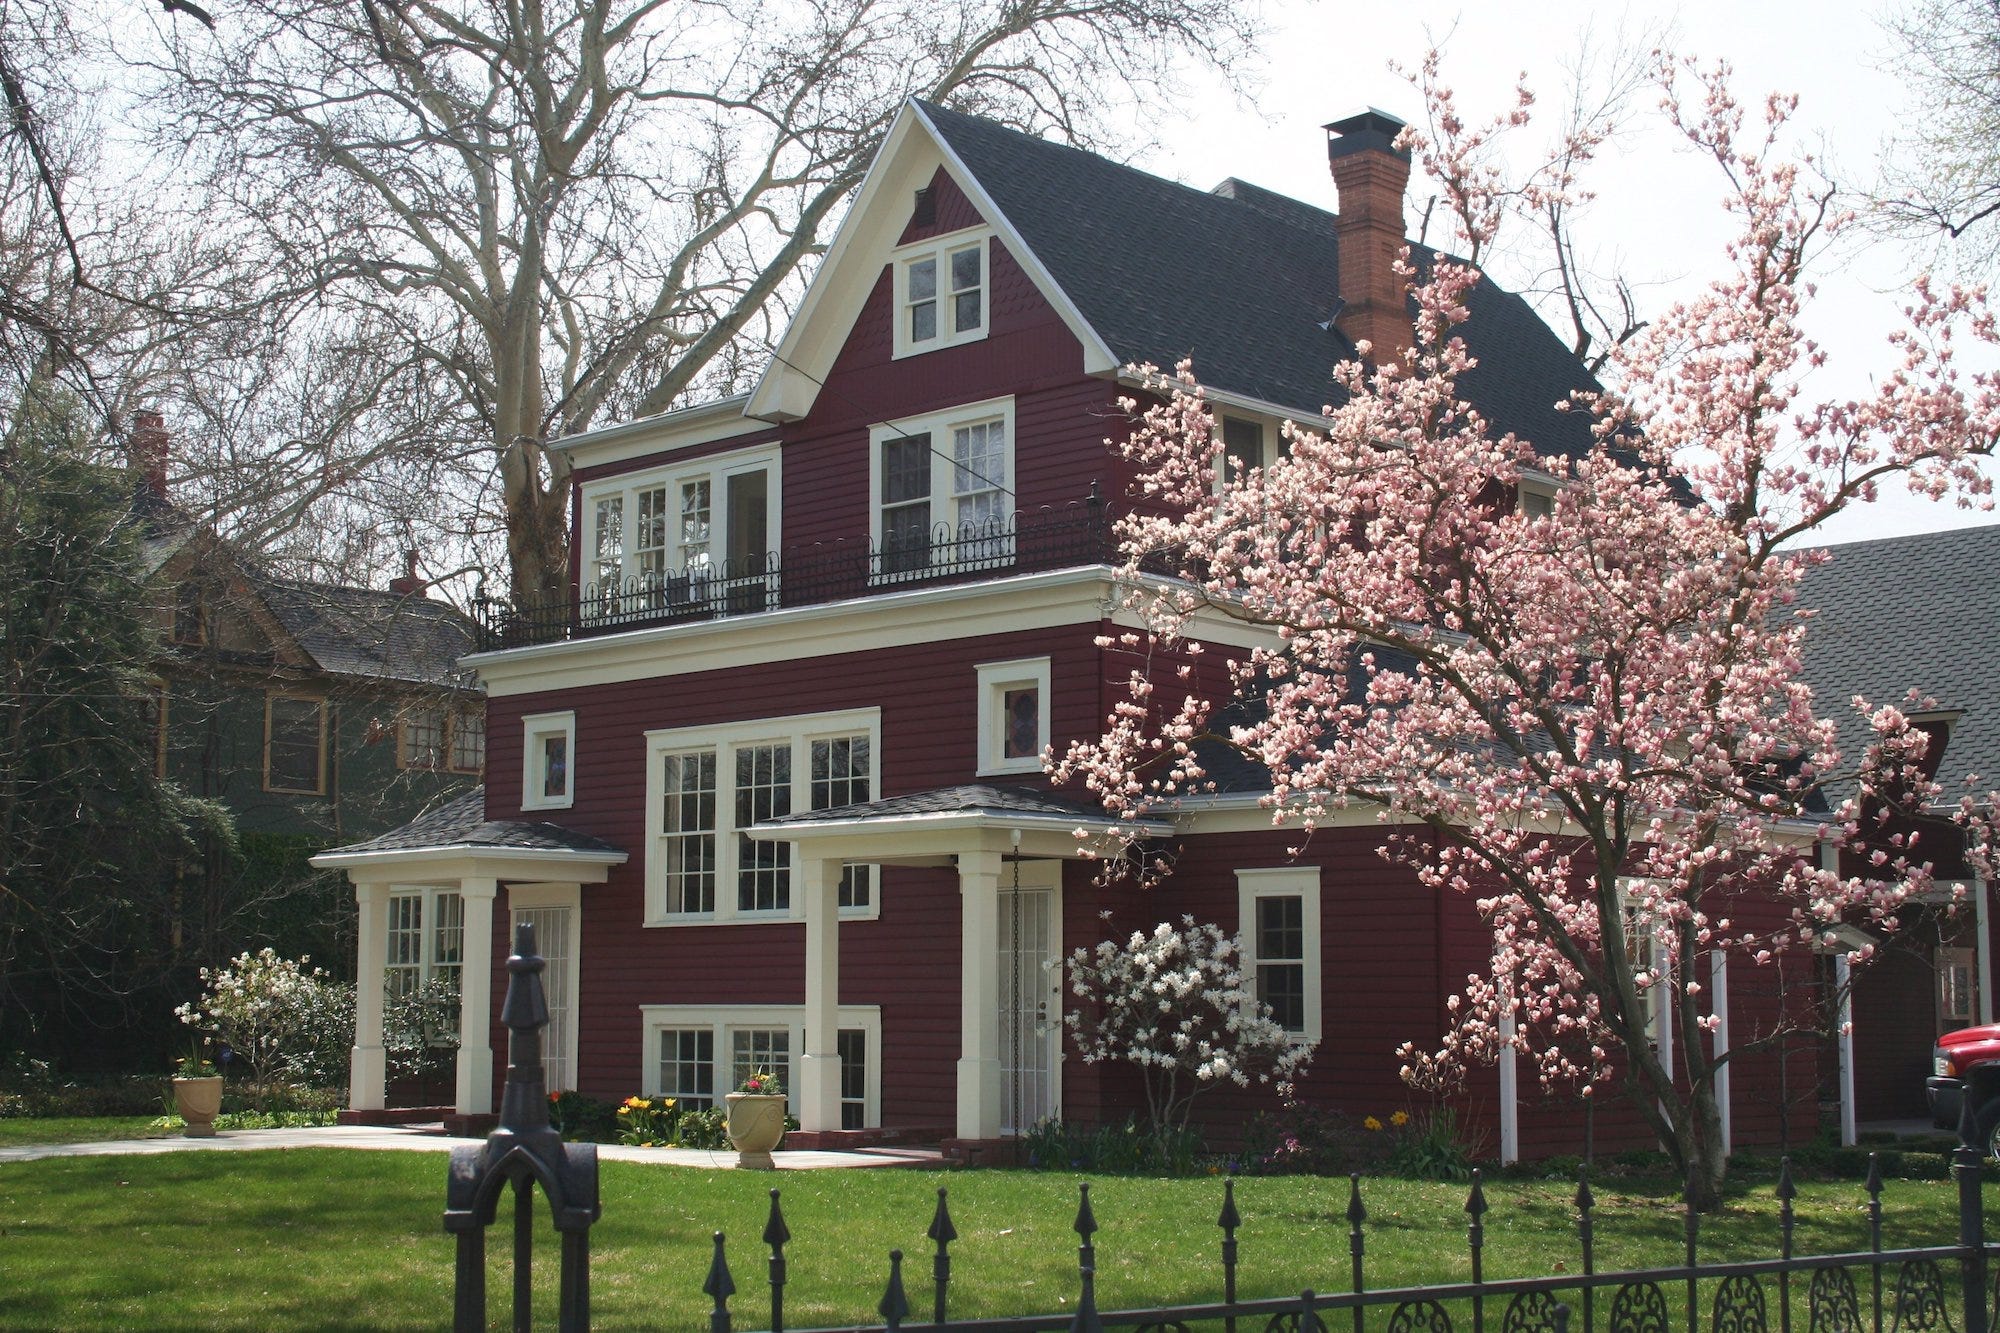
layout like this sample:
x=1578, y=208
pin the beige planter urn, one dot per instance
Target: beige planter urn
x=756, y=1125
x=198, y=1101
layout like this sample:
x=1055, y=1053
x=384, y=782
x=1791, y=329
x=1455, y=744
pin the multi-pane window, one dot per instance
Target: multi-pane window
x=688, y=830
x=649, y=543
x=979, y=485
x=294, y=739
x=406, y=944
x=687, y=1066
x=943, y=296
x=758, y=1050
x=607, y=566
x=696, y=504
x=468, y=740
x=437, y=737
x=422, y=742
x=853, y=1047
x=1279, y=927
x=840, y=776
x=708, y=786
x=763, y=791
x=426, y=946
x=1281, y=959
x=906, y=503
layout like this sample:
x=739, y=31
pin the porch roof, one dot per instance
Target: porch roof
x=459, y=829
x=931, y=827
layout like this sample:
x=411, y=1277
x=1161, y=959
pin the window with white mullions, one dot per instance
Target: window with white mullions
x=688, y=830
x=696, y=503
x=941, y=293
x=968, y=285
x=760, y=1050
x=607, y=567
x=943, y=489
x=840, y=776
x=852, y=1044
x=649, y=543
x=763, y=791
x=687, y=1067
x=426, y=946
x=406, y=945
x=1281, y=955
x=979, y=489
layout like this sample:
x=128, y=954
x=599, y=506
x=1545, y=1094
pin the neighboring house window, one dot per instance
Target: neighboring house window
x=701, y=1052
x=437, y=737
x=426, y=947
x=1013, y=715
x=190, y=615
x=548, y=761
x=691, y=539
x=294, y=744
x=941, y=292
x=944, y=495
x=707, y=785
x=1278, y=915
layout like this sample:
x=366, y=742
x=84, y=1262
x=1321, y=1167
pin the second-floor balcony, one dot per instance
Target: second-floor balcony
x=1026, y=541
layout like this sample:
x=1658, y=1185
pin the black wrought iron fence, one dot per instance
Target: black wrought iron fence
x=1027, y=541
x=1898, y=1290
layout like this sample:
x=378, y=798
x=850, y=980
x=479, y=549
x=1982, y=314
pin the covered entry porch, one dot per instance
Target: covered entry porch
x=998, y=840
x=425, y=896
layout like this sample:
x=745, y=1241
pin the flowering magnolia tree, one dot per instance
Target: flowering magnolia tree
x=1591, y=719
x=1175, y=1004
x=282, y=1018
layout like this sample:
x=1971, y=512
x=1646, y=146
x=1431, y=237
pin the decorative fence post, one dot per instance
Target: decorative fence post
x=524, y=1151
x=1966, y=1166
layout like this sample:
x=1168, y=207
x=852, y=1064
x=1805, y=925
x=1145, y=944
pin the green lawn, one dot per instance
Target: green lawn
x=329, y=1238
x=21, y=1131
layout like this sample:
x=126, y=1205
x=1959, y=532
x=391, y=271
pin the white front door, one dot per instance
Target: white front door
x=1030, y=943
x=555, y=938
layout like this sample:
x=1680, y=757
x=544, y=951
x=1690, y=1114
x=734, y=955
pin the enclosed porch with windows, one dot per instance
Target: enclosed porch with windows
x=426, y=895
x=1007, y=846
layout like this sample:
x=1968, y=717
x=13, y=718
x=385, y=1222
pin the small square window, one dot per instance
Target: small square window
x=1013, y=716
x=548, y=761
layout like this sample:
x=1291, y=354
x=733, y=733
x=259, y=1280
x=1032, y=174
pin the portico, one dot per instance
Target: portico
x=985, y=833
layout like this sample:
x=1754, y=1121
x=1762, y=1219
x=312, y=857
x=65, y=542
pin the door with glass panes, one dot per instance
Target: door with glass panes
x=1029, y=938
x=555, y=939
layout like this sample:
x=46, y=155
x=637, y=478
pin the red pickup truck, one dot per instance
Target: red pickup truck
x=1966, y=1067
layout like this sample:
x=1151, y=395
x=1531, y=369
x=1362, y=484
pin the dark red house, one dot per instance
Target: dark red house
x=770, y=780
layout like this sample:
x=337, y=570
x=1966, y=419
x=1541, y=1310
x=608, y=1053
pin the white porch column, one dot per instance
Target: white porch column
x=367, y=1065
x=1843, y=977
x=475, y=997
x=1982, y=921
x=979, y=996
x=1718, y=1003
x=1510, y=1095
x=819, y=1066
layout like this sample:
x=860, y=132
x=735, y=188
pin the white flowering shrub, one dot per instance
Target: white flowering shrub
x=420, y=1028
x=1175, y=1003
x=283, y=1018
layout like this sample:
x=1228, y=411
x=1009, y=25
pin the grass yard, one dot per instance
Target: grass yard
x=21, y=1131
x=329, y=1238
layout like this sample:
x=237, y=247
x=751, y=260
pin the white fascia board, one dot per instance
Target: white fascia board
x=791, y=380
x=680, y=428
x=1097, y=357
x=1243, y=402
x=952, y=821
x=403, y=857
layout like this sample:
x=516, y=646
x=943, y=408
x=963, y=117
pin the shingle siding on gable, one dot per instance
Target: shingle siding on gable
x=951, y=211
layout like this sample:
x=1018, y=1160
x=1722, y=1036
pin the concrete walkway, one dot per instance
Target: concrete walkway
x=417, y=1138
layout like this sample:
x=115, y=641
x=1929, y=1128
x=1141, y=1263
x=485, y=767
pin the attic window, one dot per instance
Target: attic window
x=924, y=212
x=940, y=293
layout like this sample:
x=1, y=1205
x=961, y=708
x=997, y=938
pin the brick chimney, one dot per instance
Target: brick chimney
x=411, y=584
x=1370, y=173
x=149, y=452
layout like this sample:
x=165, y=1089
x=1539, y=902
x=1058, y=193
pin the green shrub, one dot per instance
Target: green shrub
x=1127, y=1149
x=703, y=1129
x=104, y=1095
x=1434, y=1146
x=582, y=1119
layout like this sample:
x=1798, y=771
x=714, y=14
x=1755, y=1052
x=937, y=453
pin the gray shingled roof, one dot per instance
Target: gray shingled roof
x=1240, y=279
x=975, y=798
x=1917, y=612
x=462, y=822
x=363, y=632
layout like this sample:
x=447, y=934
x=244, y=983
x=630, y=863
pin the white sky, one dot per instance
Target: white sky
x=1656, y=219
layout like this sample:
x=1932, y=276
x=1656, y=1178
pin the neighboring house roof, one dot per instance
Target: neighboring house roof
x=1241, y=279
x=364, y=632
x=461, y=823
x=1909, y=613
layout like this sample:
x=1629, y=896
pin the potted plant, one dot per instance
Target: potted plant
x=757, y=1120
x=197, y=1095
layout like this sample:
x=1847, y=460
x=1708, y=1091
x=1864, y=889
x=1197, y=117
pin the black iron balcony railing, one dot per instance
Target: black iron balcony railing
x=1053, y=537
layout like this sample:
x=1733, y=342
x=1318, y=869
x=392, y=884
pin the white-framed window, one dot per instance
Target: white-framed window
x=694, y=538
x=446, y=738
x=1278, y=920
x=706, y=785
x=294, y=744
x=1246, y=444
x=1956, y=969
x=942, y=290
x=942, y=490
x=554, y=910
x=1645, y=949
x=1536, y=495
x=548, y=761
x=1013, y=715
x=697, y=1053
x=426, y=946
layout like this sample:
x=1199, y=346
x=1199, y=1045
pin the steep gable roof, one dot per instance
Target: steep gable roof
x=1918, y=612
x=1239, y=278
x=364, y=632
